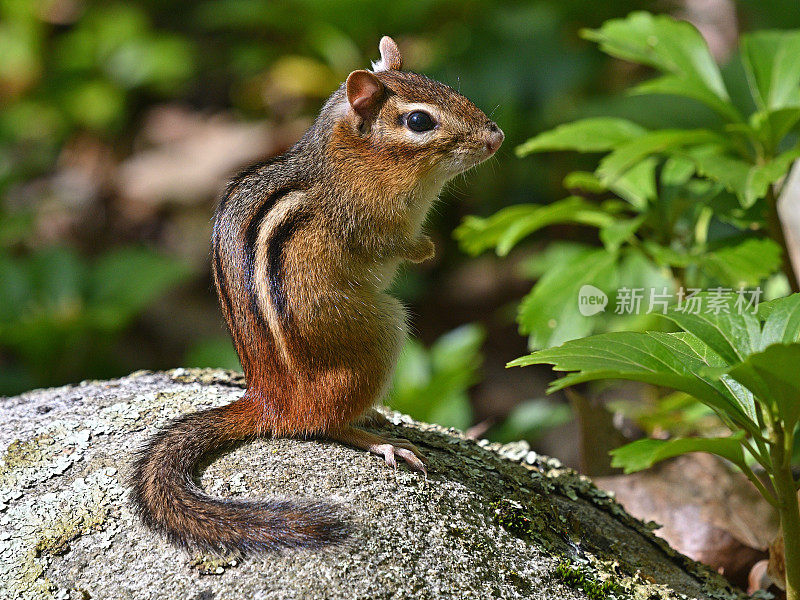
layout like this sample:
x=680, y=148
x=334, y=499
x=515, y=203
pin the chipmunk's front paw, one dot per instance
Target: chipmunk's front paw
x=420, y=250
x=389, y=448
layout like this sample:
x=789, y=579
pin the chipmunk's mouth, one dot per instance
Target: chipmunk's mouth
x=481, y=149
x=464, y=160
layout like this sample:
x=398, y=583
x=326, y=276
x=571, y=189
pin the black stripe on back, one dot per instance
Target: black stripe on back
x=250, y=240
x=222, y=281
x=222, y=289
x=219, y=273
x=280, y=236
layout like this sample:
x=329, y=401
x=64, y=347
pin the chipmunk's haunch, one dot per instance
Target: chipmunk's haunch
x=304, y=247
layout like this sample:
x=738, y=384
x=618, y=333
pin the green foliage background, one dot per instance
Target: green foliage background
x=84, y=302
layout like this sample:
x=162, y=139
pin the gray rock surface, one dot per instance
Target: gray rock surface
x=489, y=521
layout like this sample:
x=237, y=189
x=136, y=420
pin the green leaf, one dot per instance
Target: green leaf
x=549, y=313
x=458, y=350
x=96, y=104
x=731, y=332
x=678, y=361
x=618, y=232
x=712, y=162
x=782, y=321
x=569, y=210
x=413, y=372
x=772, y=171
x=597, y=134
x=583, y=181
x=638, y=184
x=744, y=264
x=689, y=347
x=772, y=376
x=643, y=454
x=451, y=410
x=677, y=86
x=674, y=47
x=627, y=155
x=478, y=234
x=665, y=256
x=677, y=171
x=637, y=270
x=556, y=255
x=749, y=182
x=773, y=125
x=772, y=63
x=507, y=227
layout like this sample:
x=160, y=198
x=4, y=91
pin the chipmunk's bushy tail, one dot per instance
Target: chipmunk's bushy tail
x=169, y=501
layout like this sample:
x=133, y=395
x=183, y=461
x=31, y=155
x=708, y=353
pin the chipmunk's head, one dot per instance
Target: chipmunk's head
x=413, y=126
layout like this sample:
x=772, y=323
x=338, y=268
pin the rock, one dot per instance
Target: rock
x=488, y=522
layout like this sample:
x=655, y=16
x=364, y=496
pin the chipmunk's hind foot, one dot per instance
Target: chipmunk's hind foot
x=389, y=448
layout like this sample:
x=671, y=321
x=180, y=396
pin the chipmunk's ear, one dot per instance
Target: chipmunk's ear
x=391, y=59
x=364, y=92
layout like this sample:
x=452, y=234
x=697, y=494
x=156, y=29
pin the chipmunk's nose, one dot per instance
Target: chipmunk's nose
x=495, y=138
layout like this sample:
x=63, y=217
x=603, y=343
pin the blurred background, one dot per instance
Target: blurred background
x=120, y=123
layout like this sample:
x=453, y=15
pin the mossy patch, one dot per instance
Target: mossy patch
x=539, y=523
x=30, y=578
x=20, y=454
x=588, y=581
x=511, y=516
x=55, y=539
x=212, y=564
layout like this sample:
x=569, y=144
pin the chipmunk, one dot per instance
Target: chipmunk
x=304, y=247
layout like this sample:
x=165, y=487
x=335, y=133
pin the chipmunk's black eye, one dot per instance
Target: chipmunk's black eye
x=420, y=121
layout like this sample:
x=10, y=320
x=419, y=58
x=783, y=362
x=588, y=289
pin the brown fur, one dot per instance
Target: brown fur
x=304, y=247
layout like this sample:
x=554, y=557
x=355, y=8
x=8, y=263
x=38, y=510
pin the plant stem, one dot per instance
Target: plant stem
x=776, y=232
x=789, y=511
x=790, y=522
x=761, y=455
x=765, y=493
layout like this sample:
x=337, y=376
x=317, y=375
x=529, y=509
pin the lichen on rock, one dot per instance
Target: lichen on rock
x=489, y=521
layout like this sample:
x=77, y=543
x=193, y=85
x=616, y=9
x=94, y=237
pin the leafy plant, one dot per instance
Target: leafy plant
x=672, y=207
x=60, y=313
x=432, y=384
x=741, y=363
x=676, y=413
x=529, y=419
x=583, y=578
